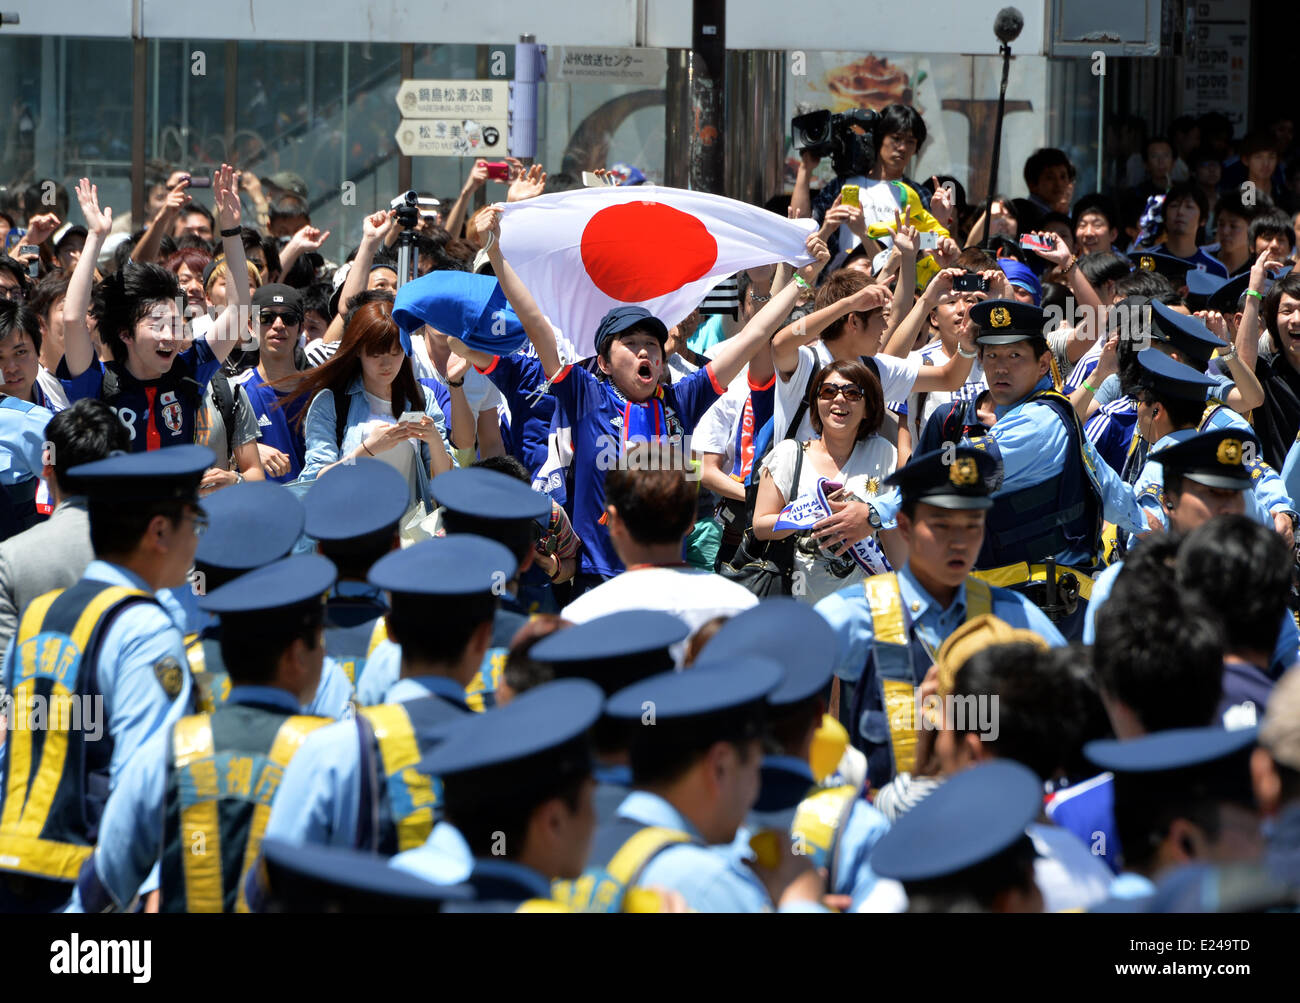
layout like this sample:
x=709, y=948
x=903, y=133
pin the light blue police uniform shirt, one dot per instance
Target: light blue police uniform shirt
x=383, y=669
x=1111, y=390
x=1286, y=651
x=1034, y=443
x=319, y=798
x=1268, y=493
x=709, y=878
x=849, y=615
x=22, y=442
x=140, y=637
x=444, y=858
x=1128, y=885
x=859, y=835
x=131, y=831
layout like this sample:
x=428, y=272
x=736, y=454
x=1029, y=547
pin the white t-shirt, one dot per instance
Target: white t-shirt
x=921, y=406
x=897, y=376
x=716, y=431
x=55, y=395
x=1067, y=874
x=402, y=456
x=692, y=595
x=874, y=458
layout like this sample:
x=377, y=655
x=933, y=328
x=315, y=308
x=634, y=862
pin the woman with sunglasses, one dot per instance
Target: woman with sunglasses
x=846, y=408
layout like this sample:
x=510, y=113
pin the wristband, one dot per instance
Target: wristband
x=1089, y=387
x=799, y=281
x=965, y=354
x=1256, y=293
x=457, y=383
x=234, y=231
x=365, y=447
x=489, y=238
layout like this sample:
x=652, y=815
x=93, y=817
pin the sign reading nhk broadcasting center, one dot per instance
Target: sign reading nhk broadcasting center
x=453, y=118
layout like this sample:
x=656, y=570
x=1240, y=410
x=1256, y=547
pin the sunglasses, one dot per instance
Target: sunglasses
x=290, y=319
x=852, y=393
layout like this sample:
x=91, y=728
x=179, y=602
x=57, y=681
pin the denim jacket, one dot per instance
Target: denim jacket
x=322, y=445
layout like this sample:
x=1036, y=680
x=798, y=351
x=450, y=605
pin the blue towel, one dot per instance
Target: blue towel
x=470, y=307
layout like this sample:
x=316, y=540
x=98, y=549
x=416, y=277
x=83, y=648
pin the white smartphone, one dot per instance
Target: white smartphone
x=590, y=180
x=411, y=418
x=927, y=240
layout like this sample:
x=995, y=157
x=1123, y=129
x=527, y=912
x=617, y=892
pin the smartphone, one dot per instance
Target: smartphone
x=411, y=418
x=498, y=170
x=971, y=282
x=1033, y=242
x=590, y=180
x=26, y=249
x=927, y=240
x=849, y=196
x=200, y=181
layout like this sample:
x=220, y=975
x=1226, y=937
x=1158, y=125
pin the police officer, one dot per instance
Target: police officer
x=357, y=783
x=102, y=663
x=22, y=449
x=613, y=651
x=964, y=847
x=1054, y=489
x=353, y=514
x=1170, y=403
x=1193, y=478
x=1181, y=796
x=197, y=795
x=891, y=626
x=495, y=506
x=518, y=795
x=695, y=746
x=829, y=821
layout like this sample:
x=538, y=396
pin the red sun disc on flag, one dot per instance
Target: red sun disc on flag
x=639, y=251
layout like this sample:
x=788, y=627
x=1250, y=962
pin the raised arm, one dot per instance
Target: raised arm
x=476, y=180
x=536, y=326
x=78, y=350
x=731, y=356
x=307, y=239
x=373, y=230
x=232, y=322
x=177, y=199
x=1247, y=392
x=906, y=332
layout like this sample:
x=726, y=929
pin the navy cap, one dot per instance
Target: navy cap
x=1167, y=377
x=470, y=307
x=969, y=818
x=614, y=650
x=1202, y=285
x=277, y=296
x=249, y=524
x=1003, y=322
x=479, y=493
x=1227, y=297
x=703, y=689
x=551, y=717
x=621, y=318
x=960, y=479
x=157, y=475
x=790, y=633
x=1188, y=335
x=304, y=578
x=1175, y=749
x=305, y=878
x=1173, y=268
x=458, y=565
x=356, y=503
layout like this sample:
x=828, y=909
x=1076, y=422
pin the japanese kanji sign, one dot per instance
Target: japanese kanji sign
x=451, y=137
x=584, y=64
x=454, y=99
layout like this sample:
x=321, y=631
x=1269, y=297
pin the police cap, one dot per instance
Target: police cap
x=962, y=478
x=1188, y=335
x=1004, y=322
x=790, y=633
x=355, y=507
x=291, y=581
x=1167, y=377
x=1215, y=458
x=170, y=474
x=459, y=565
x=1174, y=749
x=489, y=495
x=614, y=650
x=249, y=524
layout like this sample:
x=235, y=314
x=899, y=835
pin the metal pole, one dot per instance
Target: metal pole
x=997, y=132
x=138, y=97
x=708, y=79
x=1101, y=130
x=403, y=161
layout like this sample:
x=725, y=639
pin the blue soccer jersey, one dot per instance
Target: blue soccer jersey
x=277, y=426
x=518, y=376
x=156, y=413
x=602, y=421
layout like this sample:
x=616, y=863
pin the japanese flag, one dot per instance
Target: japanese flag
x=581, y=253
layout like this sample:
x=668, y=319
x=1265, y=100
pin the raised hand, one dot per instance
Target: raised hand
x=1059, y=254
x=375, y=227
x=457, y=365
x=942, y=204
x=527, y=184
x=227, y=197
x=478, y=175
x=815, y=246
x=41, y=228
x=98, y=221
x=309, y=238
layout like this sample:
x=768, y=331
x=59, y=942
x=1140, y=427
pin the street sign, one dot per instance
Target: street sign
x=451, y=138
x=587, y=64
x=454, y=99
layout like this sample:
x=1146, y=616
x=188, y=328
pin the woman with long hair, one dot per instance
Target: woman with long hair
x=385, y=413
x=846, y=408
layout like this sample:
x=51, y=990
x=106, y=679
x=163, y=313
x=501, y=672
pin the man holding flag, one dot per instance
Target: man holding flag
x=626, y=400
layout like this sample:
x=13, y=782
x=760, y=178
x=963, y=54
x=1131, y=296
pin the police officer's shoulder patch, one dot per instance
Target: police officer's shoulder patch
x=170, y=676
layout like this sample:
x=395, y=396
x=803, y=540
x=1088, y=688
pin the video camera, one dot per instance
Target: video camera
x=824, y=134
x=408, y=208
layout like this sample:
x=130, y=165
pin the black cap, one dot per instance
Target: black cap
x=277, y=296
x=1215, y=458
x=1173, y=268
x=963, y=478
x=621, y=318
x=1167, y=377
x=1004, y=322
x=1188, y=335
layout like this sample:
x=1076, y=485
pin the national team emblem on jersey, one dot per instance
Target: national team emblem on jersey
x=171, y=411
x=1000, y=317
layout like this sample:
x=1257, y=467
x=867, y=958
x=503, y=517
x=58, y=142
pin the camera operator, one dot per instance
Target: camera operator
x=866, y=150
